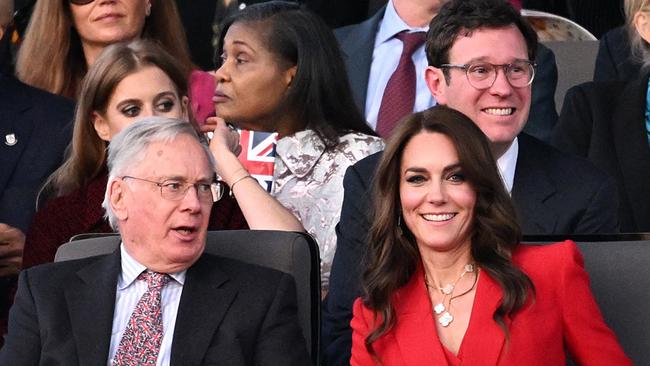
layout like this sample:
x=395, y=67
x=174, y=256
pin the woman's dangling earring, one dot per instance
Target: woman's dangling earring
x=148, y=11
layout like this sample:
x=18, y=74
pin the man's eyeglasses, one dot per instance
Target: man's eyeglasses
x=482, y=75
x=81, y=2
x=175, y=190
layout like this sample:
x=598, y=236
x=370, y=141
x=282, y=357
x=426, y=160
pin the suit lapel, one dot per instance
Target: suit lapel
x=484, y=339
x=91, y=302
x=531, y=189
x=15, y=127
x=631, y=145
x=357, y=48
x=415, y=330
x=416, y=333
x=204, y=303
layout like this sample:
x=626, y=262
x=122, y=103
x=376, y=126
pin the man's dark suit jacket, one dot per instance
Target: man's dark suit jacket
x=358, y=41
x=41, y=124
x=605, y=122
x=553, y=193
x=614, y=60
x=230, y=313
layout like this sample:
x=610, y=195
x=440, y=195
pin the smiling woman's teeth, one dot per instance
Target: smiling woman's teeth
x=438, y=217
x=499, y=111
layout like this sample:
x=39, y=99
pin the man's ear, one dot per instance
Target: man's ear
x=642, y=24
x=117, y=198
x=101, y=126
x=435, y=79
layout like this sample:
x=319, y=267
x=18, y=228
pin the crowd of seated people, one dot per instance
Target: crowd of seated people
x=460, y=92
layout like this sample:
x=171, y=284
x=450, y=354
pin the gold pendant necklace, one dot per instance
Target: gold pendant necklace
x=445, y=318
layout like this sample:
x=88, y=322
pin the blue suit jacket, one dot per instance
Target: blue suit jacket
x=40, y=123
x=357, y=43
x=553, y=193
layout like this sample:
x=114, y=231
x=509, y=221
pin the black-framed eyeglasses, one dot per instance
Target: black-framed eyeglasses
x=80, y=2
x=175, y=190
x=482, y=75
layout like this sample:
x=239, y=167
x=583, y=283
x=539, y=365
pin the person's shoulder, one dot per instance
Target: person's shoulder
x=540, y=260
x=357, y=141
x=598, y=91
x=242, y=272
x=351, y=32
x=39, y=95
x=558, y=164
x=57, y=274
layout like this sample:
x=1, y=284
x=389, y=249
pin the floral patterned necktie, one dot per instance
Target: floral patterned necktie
x=141, y=340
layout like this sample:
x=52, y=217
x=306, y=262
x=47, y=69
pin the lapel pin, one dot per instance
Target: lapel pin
x=10, y=139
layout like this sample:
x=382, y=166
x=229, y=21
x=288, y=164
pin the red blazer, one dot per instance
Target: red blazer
x=563, y=312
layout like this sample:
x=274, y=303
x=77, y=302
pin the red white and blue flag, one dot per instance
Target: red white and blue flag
x=258, y=155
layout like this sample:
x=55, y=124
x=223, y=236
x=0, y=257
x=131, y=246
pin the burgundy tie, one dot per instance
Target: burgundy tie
x=141, y=340
x=399, y=95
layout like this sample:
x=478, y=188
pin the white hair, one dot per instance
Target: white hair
x=128, y=148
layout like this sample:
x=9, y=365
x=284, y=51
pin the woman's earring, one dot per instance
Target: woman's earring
x=148, y=11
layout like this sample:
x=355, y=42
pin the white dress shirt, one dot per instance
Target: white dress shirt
x=129, y=292
x=385, y=58
x=507, y=164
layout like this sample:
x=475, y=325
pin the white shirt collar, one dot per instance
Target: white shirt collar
x=131, y=269
x=391, y=24
x=507, y=164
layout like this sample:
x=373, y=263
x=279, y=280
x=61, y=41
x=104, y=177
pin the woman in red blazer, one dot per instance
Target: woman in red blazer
x=450, y=285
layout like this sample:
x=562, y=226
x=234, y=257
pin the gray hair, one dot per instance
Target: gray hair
x=640, y=48
x=127, y=149
x=6, y=12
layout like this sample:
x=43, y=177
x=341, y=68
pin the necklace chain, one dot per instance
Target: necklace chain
x=444, y=313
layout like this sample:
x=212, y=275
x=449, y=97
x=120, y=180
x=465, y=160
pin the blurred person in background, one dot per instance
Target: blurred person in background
x=64, y=38
x=609, y=124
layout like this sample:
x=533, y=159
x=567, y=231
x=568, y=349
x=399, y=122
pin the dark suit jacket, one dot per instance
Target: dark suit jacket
x=614, y=60
x=41, y=123
x=605, y=122
x=230, y=313
x=357, y=43
x=562, y=317
x=554, y=194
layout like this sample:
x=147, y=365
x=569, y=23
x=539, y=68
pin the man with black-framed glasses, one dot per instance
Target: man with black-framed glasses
x=481, y=56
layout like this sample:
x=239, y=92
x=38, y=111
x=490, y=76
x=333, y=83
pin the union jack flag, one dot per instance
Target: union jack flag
x=258, y=155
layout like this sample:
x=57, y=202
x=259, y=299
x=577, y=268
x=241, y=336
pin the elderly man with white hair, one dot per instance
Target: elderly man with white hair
x=158, y=299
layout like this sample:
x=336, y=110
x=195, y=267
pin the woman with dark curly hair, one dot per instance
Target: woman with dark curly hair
x=447, y=281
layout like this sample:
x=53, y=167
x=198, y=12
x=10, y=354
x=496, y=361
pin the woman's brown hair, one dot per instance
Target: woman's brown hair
x=87, y=152
x=392, y=255
x=51, y=56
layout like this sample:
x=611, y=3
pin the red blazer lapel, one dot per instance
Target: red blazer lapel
x=484, y=339
x=415, y=330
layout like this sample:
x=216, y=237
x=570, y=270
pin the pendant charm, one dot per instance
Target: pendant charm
x=439, y=308
x=10, y=139
x=445, y=319
x=447, y=289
